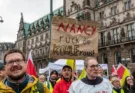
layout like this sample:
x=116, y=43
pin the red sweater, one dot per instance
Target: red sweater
x=62, y=86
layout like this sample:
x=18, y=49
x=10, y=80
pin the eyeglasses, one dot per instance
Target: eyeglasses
x=17, y=61
x=94, y=66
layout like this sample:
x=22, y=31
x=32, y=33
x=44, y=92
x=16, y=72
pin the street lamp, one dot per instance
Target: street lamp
x=1, y=20
x=125, y=61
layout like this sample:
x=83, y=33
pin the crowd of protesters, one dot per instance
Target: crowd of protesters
x=14, y=79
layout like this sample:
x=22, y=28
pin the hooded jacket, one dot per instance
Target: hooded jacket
x=30, y=88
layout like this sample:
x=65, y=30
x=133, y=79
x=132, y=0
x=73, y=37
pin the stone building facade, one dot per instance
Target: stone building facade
x=4, y=47
x=35, y=36
x=116, y=37
x=117, y=33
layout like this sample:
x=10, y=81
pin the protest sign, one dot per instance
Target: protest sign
x=73, y=39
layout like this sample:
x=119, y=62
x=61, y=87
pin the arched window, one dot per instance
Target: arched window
x=104, y=59
x=133, y=55
x=118, y=57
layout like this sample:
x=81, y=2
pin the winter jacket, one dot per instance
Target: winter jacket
x=120, y=91
x=132, y=90
x=62, y=86
x=99, y=85
x=49, y=86
x=31, y=87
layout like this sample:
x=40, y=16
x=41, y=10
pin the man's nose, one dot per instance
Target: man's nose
x=14, y=63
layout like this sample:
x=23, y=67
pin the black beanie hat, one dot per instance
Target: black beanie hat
x=54, y=72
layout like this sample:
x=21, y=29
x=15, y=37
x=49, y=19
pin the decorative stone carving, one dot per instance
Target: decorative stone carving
x=43, y=43
x=47, y=22
x=59, y=13
x=33, y=45
x=37, y=26
x=42, y=24
x=33, y=28
x=114, y=22
x=29, y=31
x=128, y=15
x=29, y=47
x=74, y=8
x=128, y=18
x=38, y=44
x=87, y=16
x=73, y=5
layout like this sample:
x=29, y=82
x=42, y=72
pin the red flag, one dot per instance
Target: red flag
x=30, y=66
x=120, y=71
x=113, y=70
x=123, y=72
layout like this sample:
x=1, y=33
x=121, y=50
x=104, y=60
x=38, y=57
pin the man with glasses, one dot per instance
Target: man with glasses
x=92, y=83
x=17, y=81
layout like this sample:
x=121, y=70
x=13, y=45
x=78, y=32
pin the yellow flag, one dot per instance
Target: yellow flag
x=126, y=73
x=71, y=63
x=122, y=72
x=83, y=74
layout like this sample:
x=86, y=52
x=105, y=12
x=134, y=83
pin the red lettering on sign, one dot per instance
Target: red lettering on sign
x=72, y=28
x=84, y=29
x=93, y=30
x=62, y=26
x=81, y=29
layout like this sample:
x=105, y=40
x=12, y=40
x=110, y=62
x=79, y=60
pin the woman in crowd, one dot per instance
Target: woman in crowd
x=132, y=90
x=128, y=83
x=116, y=86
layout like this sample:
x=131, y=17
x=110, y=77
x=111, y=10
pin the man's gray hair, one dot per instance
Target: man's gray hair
x=87, y=59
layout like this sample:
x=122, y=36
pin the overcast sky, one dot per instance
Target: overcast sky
x=10, y=10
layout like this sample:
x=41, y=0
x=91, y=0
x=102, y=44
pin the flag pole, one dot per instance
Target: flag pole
x=73, y=70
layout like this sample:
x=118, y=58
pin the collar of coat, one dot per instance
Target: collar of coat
x=98, y=80
x=4, y=87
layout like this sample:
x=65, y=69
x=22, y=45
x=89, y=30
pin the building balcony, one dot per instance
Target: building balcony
x=116, y=41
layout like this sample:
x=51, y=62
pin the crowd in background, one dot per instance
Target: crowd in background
x=14, y=78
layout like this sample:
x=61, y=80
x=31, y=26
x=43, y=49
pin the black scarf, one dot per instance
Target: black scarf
x=18, y=87
x=94, y=82
x=118, y=90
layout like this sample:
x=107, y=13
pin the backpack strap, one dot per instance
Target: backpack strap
x=40, y=87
